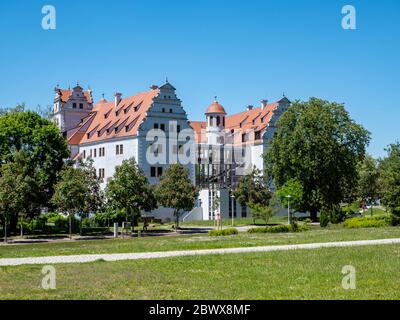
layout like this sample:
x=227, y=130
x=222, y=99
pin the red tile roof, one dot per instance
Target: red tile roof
x=65, y=94
x=255, y=119
x=107, y=121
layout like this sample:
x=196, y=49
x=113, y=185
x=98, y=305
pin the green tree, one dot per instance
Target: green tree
x=94, y=199
x=176, y=190
x=70, y=194
x=17, y=188
x=318, y=144
x=290, y=195
x=389, y=169
x=260, y=211
x=129, y=190
x=41, y=142
x=368, y=182
x=252, y=189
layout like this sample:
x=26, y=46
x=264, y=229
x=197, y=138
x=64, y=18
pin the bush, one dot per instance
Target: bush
x=223, y=232
x=294, y=227
x=323, y=219
x=370, y=222
x=394, y=220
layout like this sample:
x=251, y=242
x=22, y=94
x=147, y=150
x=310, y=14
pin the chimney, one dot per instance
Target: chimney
x=249, y=107
x=117, y=98
x=264, y=103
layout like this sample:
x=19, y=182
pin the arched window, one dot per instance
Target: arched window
x=211, y=121
x=218, y=121
x=223, y=121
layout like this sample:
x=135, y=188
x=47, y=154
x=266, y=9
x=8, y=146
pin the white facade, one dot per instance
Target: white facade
x=160, y=140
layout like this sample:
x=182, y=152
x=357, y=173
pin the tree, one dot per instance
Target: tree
x=130, y=191
x=43, y=145
x=318, y=144
x=262, y=212
x=389, y=169
x=176, y=190
x=16, y=188
x=368, y=182
x=70, y=194
x=294, y=189
x=94, y=198
x=252, y=189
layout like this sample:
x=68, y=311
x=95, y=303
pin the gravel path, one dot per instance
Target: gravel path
x=151, y=255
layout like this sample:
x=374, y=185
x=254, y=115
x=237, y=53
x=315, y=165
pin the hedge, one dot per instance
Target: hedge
x=372, y=222
x=280, y=228
x=223, y=232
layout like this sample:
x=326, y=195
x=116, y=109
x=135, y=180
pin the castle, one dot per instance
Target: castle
x=153, y=127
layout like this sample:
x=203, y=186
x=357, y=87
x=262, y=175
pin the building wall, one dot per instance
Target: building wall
x=110, y=160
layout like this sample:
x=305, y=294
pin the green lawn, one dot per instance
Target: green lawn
x=316, y=234
x=302, y=274
x=238, y=222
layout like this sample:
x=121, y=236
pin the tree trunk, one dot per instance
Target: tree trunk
x=313, y=215
x=5, y=230
x=176, y=220
x=70, y=227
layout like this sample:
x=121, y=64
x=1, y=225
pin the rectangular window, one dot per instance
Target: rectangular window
x=243, y=137
x=84, y=154
x=162, y=126
x=156, y=126
x=257, y=135
x=117, y=149
x=90, y=152
x=74, y=105
x=104, y=152
x=81, y=106
x=159, y=171
x=178, y=128
x=152, y=171
x=121, y=149
x=95, y=152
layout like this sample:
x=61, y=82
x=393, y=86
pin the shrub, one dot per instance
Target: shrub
x=394, y=220
x=223, y=232
x=294, y=227
x=323, y=219
x=369, y=222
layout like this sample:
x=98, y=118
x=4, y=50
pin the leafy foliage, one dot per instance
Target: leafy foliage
x=368, y=183
x=293, y=188
x=262, y=212
x=41, y=142
x=252, y=189
x=129, y=190
x=318, y=144
x=390, y=179
x=223, y=232
x=15, y=188
x=176, y=190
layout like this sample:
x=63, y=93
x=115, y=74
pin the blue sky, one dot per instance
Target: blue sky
x=241, y=51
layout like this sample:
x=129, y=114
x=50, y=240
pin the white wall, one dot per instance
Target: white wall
x=110, y=160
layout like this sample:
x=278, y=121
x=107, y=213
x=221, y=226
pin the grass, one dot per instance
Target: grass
x=238, y=222
x=301, y=274
x=243, y=239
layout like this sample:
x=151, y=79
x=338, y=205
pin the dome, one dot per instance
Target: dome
x=215, y=107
